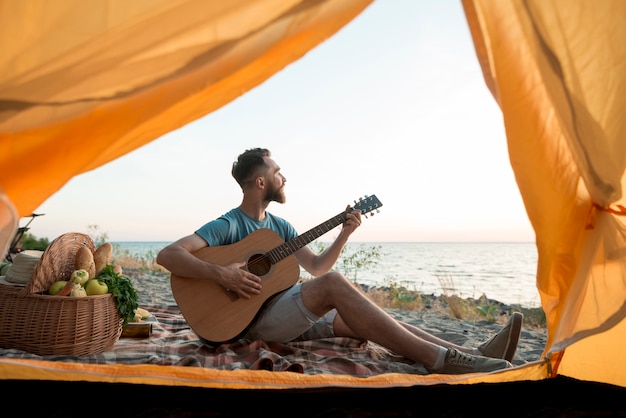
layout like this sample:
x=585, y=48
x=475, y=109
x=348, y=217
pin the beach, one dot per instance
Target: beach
x=153, y=288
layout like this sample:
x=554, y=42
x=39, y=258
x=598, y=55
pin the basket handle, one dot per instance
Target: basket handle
x=57, y=261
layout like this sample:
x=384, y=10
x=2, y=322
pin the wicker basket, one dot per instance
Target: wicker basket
x=33, y=321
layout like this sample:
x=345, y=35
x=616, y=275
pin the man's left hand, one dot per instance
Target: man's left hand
x=353, y=219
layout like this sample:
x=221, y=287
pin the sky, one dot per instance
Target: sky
x=393, y=105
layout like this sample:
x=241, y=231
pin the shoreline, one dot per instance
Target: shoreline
x=504, y=272
x=434, y=315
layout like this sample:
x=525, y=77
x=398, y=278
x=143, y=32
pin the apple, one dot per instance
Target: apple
x=96, y=287
x=56, y=287
x=80, y=276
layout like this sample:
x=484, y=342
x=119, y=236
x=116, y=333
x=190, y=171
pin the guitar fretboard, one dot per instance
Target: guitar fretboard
x=365, y=205
x=291, y=246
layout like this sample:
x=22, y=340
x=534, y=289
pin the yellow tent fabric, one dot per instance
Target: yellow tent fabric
x=87, y=82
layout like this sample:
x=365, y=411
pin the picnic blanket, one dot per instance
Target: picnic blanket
x=173, y=343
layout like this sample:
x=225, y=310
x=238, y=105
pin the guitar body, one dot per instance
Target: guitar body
x=219, y=315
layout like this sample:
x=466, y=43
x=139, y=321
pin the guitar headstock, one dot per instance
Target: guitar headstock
x=367, y=204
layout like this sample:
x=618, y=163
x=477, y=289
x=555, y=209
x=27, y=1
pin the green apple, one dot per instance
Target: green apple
x=80, y=276
x=96, y=287
x=56, y=287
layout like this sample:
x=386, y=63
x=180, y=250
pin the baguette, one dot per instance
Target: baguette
x=102, y=256
x=84, y=260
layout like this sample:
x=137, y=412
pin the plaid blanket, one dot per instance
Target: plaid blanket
x=174, y=343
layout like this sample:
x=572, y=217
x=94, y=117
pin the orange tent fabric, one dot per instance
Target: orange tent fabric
x=85, y=83
x=558, y=71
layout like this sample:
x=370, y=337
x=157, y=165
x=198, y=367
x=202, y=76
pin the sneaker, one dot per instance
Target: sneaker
x=504, y=343
x=457, y=362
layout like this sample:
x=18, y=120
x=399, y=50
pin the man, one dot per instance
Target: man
x=327, y=305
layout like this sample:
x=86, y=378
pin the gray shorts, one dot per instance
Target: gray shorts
x=286, y=319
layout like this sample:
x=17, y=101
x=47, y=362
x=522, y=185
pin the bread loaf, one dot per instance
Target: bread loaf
x=102, y=256
x=84, y=260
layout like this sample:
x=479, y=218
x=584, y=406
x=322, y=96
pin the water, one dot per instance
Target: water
x=502, y=271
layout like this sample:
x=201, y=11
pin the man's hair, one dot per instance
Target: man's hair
x=247, y=163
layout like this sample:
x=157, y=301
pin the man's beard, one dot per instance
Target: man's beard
x=275, y=195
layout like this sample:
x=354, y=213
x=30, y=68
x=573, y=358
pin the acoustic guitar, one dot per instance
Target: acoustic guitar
x=219, y=315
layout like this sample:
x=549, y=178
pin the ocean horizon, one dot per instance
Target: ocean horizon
x=503, y=271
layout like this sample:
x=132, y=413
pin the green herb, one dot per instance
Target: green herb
x=126, y=299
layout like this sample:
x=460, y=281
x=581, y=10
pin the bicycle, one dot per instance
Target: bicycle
x=14, y=247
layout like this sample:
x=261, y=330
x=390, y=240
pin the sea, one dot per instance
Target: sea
x=500, y=271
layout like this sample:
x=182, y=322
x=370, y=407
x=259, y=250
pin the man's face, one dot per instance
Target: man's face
x=275, y=191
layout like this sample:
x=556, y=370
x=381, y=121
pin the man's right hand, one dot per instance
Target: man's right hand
x=236, y=278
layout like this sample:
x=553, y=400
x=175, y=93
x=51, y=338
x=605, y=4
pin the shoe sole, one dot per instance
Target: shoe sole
x=516, y=329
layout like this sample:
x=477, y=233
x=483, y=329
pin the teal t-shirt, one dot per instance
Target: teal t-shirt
x=235, y=225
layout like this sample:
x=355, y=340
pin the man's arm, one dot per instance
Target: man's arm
x=178, y=259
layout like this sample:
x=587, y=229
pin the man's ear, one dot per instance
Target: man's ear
x=260, y=182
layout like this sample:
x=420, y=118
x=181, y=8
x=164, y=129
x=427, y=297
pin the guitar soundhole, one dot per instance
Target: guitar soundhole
x=259, y=264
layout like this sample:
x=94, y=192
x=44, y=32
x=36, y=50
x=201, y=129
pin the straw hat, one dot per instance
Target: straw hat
x=23, y=267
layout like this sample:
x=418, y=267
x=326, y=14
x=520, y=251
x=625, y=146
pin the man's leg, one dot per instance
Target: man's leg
x=501, y=345
x=361, y=318
x=364, y=319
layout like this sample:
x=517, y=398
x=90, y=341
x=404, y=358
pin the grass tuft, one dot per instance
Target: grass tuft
x=142, y=262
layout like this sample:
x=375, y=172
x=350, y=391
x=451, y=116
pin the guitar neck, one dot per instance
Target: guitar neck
x=293, y=245
x=365, y=205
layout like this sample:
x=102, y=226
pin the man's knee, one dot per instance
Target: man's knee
x=332, y=278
